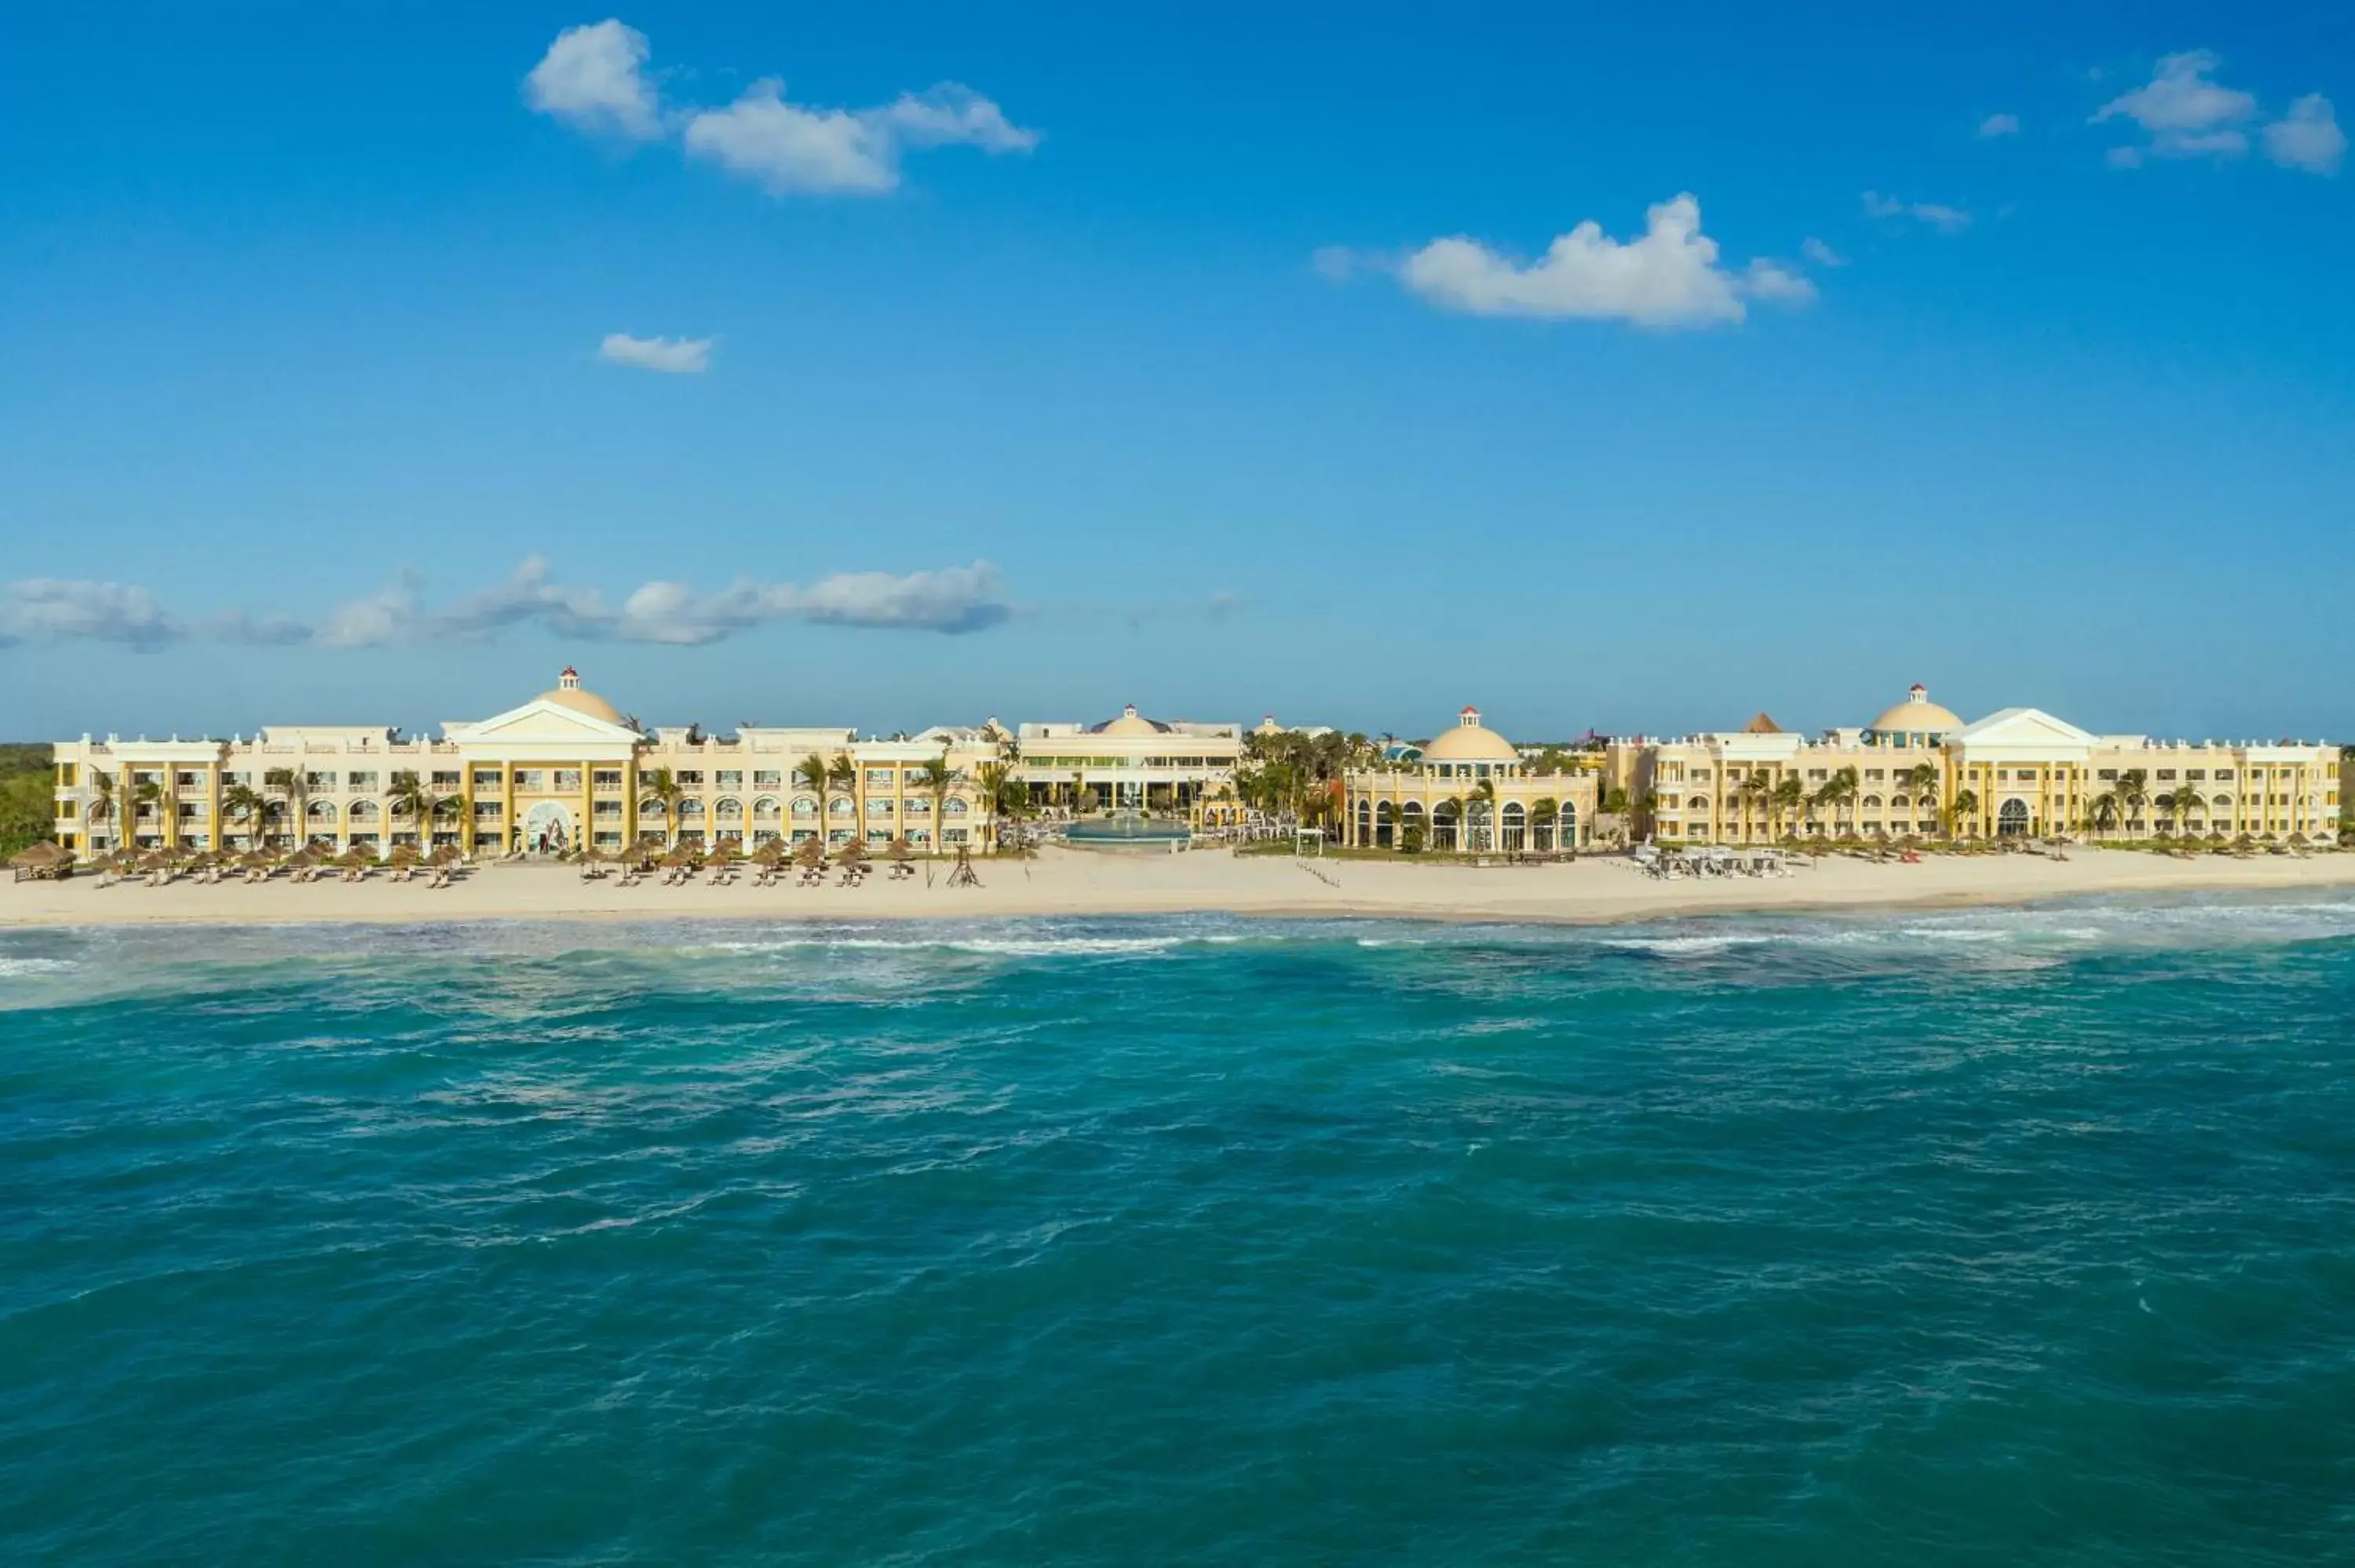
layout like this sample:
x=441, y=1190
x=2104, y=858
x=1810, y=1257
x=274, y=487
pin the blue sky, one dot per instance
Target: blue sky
x=1197, y=356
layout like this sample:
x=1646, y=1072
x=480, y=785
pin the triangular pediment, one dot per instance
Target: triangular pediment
x=2023, y=726
x=540, y=720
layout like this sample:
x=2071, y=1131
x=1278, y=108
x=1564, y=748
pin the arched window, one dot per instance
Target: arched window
x=1698, y=803
x=841, y=806
x=1872, y=802
x=767, y=810
x=651, y=808
x=2013, y=819
x=728, y=811
x=804, y=806
x=322, y=812
x=690, y=810
x=362, y=811
x=955, y=807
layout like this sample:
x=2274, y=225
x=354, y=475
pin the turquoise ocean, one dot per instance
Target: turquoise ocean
x=1985, y=1236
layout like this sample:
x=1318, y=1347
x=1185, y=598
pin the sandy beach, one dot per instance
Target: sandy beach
x=1072, y=882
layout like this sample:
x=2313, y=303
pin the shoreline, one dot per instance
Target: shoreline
x=1072, y=884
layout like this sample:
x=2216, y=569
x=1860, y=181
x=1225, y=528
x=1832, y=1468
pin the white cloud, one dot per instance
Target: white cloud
x=593, y=78
x=673, y=355
x=952, y=114
x=1944, y=220
x=2307, y=137
x=2184, y=110
x=952, y=600
x=48, y=609
x=789, y=149
x=1770, y=281
x=1668, y=278
x=794, y=150
x=1821, y=254
x=393, y=614
x=1996, y=125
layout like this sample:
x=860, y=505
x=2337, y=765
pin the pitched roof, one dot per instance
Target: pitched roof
x=1762, y=724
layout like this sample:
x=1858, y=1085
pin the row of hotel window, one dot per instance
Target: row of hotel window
x=527, y=780
x=1671, y=773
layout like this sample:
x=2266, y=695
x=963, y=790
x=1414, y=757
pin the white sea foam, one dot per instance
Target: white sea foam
x=11, y=968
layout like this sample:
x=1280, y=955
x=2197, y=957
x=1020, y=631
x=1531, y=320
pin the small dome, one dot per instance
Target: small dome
x=568, y=694
x=1130, y=725
x=1470, y=741
x=1917, y=715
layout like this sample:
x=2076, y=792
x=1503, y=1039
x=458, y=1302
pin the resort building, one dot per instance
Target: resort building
x=566, y=768
x=1919, y=770
x=1468, y=790
x=1160, y=766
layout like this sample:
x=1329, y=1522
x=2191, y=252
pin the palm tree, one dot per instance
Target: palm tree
x=1544, y=813
x=842, y=776
x=295, y=790
x=1838, y=792
x=410, y=797
x=661, y=784
x=1789, y=795
x=1453, y=805
x=936, y=775
x=1922, y=780
x=102, y=793
x=2106, y=811
x=809, y=774
x=2179, y=803
x=250, y=806
x=1616, y=805
x=148, y=793
x=1964, y=809
x=2132, y=792
x=1483, y=794
x=1755, y=792
x=996, y=782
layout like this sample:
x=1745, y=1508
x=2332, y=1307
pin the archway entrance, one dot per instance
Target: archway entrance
x=547, y=830
x=2011, y=820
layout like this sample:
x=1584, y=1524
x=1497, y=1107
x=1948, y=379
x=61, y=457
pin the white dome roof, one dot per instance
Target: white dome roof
x=1470, y=741
x=1917, y=715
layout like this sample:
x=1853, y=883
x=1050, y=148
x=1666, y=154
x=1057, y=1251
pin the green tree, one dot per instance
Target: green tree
x=411, y=796
x=1966, y=809
x=661, y=785
x=1545, y=814
x=293, y=787
x=842, y=778
x=249, y=805
x=936, y=777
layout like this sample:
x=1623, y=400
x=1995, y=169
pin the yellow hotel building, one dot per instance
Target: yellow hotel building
x=566, y=768
x=1918, y=769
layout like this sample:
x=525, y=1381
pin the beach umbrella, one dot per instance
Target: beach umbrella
x=43, y=856
x=770, y=852
x=810, y=852
x=900, y=850
x=404, y=855
x=2297, y=840
x=155, y=860
x=726, y=853
x=444, y=853
x=851, y=854
x=679, y=857
x=354, y=858
x=257, y=860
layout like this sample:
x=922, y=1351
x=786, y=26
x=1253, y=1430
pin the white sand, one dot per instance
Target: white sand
x=1063, y=882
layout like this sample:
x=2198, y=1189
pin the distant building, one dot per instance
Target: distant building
x=1468, y=790
x=566, y=768
x=1918, y=769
